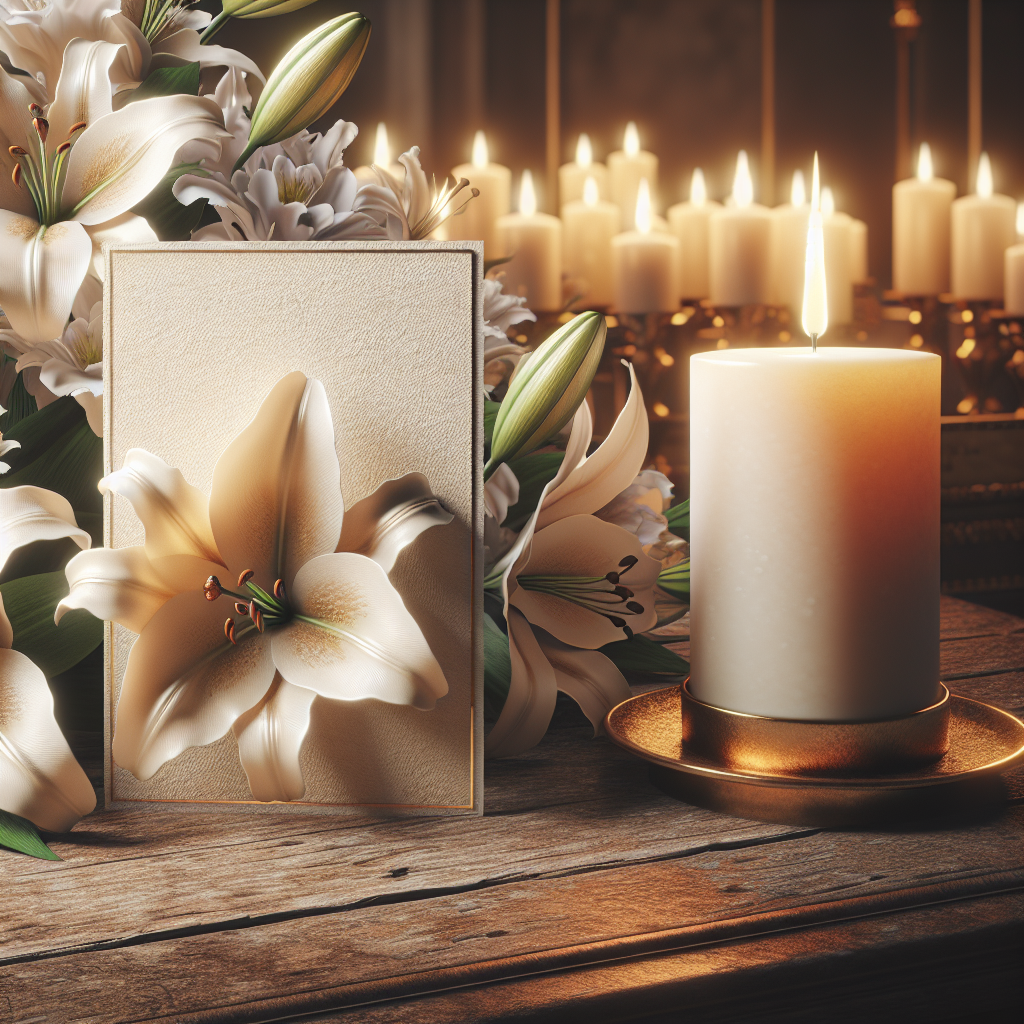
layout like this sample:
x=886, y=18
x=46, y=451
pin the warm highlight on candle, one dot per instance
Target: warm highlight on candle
x=480, y=156
x=631, y=140
x=925, y=171
x=643, y=208
x=381, y=148
x=584, y=151
x=527, y=195
x=698, y=189
x=742, y=185
x=798, y=191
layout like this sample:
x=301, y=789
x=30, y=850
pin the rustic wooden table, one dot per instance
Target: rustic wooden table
x=584, y=893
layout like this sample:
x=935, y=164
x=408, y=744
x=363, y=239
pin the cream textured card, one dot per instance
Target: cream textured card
x=195, y=337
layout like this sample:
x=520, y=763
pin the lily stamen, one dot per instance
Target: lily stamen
x=229, y=630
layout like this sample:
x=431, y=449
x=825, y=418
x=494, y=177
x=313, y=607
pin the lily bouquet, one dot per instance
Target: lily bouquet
x=121, y=121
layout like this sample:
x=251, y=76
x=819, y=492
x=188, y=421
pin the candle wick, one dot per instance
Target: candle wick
x=814, y=343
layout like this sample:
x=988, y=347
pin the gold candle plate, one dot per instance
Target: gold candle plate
x=983, y=741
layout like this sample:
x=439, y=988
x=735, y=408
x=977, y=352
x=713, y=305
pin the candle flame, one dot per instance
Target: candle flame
x=584, y=151
x=527, y=197
x=925, y=171
x=984, y=179
x=590, y=193
x=381, y=149
x=1020, y=219
x=631, y=140
x=742, y=185
x=815, y=307
x=828, y=202
x=798, y=192
x=480, y=156
x=643, y=208
x=698, y=189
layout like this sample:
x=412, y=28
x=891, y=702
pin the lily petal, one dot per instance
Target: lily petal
x=39, y=776
x=531, y=696
x=40, y=272
x=129, y=227
x=276, y=497
x=119, y=159
x=179, y=540
x=270, y=737
x=363, y=641
x=83, y=90
x=609, y=471
x=15, y=120
x=500, y=492
x=117, y=585
x=184, y=45
x=384, y=523
x=185, y=685
x=93, y=406
x=29, y=514
x=6, y=629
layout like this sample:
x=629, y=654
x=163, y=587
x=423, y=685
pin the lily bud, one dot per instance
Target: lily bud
x=308, y=81
x=547, y=389
x=262, y=8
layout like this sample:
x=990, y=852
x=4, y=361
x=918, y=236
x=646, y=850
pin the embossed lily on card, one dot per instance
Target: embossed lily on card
x=254, y=603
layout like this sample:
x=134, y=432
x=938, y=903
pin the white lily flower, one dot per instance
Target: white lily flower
x=640, y=506
x=573, y=583
x=318, y=615
x=78, y=168
x=500, y=312
x=501, y=492
x=5, y=447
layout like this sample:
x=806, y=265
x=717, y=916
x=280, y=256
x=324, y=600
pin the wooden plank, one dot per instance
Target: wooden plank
x=961, y=659
x=962, y=619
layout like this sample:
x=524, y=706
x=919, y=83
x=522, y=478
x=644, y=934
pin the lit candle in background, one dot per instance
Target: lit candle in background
x=689, y=223
x=739, y=242
x=982, y=231
x=1013, y=268
x=920, y=230
x=534, y=241
x=814, y=307
x=495, y=184
x=789, y=246
x=571, y=177
x=381, y=158
x=644, y=263
x=858, y=251
x=838, y=249
x=626, y=167
x=588, y=227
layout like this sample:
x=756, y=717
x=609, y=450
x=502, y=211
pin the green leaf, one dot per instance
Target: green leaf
x=21, y=835
x=533, y=472
x=171, y=221
x=490, y=415
x=30, y=603
x=679, y=519
x=20, y=404
x=676, y=579
x=638, y=654
x=497, y=670
x=169, y=82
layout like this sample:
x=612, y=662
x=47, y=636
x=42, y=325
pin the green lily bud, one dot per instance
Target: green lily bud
x=547, y=389
x=308, y=81
x=262, y=8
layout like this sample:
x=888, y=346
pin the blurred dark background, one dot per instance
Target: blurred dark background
x=689, y=73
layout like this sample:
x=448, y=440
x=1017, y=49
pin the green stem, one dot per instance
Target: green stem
x=490, y=468
x=214, y=27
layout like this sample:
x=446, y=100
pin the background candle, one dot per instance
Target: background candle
x=689, y=223
x=838, y=249
x=982, y=231
x=571, y=177
x=920, y=230
x=788, y=246
x=381, y=157
x=626, y=167
x=588, y=226
x=495, y=184
x=1013, y=268
x=644, y=263
x=534, y=241
x=739, y=241
x=858, y=250
x=814, y=485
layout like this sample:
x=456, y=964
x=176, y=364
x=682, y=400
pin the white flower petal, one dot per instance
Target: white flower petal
x=384, y=523
x=185, y=45
x=28, y=514
x=39, y=776
x=15, y=120
x=185, y=684
x=270, y=737
x=500, y=493
x=93, y=406
x=129, y=227
x=83, y=91
x=6, y=630
x=366, y=643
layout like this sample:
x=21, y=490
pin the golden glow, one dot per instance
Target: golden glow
x=381, y=149
x=663, y=357
x=784, y=335
x=718, y=322
x=984, y=180
x=828, y=202
x=798, y=191
x=590, y=193
x=966, y=348
x=966, y=405
x=527, y=197
x=1020, y=219
x=722, y=343
x=915, y=316
x=742, y=184
x=925, y=171
x=660, y=409
x=680, y=318
x=967, y=316
x=643, y=208
x=481, y=157
x=631, y=140
x=815, y=305
x=584, y=151
x=611, y=321
x=916, y=341
x=698, y=188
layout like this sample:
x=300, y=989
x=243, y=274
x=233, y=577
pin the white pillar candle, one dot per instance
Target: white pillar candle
x=644, y=263
x=739, y=242
x=858, y=250
x=588, y=227
x=814, y=531
x=838, y=249
x=381, y=158
x=1013, y=269
x=626, y=168
x=920, y=230
x=534, y=241
x=789, y=246
x=480, y=217
x=689, y=223
x=982, y=230
x=572, y=177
